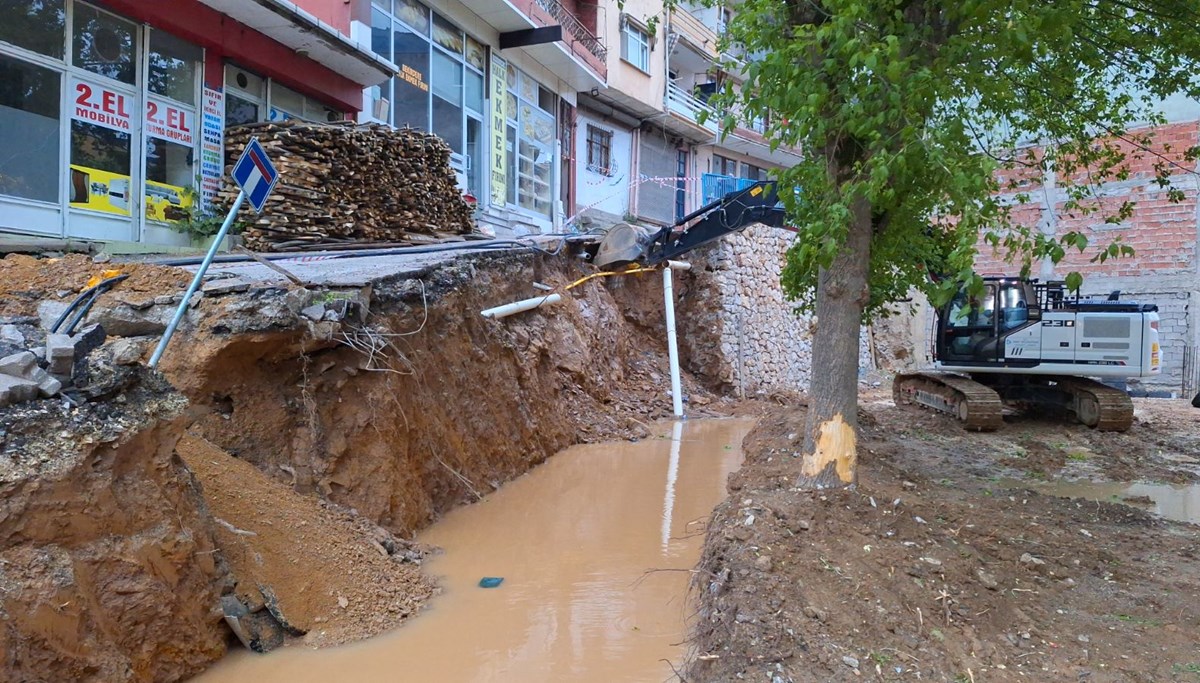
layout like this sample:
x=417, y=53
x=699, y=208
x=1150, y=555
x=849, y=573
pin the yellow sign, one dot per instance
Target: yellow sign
x=499, y=175
x=97, y=190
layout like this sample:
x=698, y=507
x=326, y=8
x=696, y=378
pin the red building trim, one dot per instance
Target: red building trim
x=227, y=40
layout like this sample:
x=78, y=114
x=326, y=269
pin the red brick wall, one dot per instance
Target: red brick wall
x=1162, y=233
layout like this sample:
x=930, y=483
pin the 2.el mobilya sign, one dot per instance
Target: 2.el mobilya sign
x=110, y=192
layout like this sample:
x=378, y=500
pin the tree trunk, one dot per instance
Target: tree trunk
x=830, y=453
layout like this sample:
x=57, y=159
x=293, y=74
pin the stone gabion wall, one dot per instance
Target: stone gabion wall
x=737, y=330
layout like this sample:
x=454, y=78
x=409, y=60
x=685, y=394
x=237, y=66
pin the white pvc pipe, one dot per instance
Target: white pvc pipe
x=523, y=305
x=672, y=345
x=669, y=495
x=679, y=265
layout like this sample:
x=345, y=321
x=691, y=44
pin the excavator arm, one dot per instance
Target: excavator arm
x=756, y=203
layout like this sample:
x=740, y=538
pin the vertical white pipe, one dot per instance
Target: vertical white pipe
x=672, y=476
x=672, y=345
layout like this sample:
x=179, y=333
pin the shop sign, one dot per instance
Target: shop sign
x=212, y=145
x=499, y=99
x=101, y=105
x=168, y=122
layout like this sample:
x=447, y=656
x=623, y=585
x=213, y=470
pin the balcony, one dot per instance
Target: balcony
x=714, y=186
x=687, y=107
x=580, y=59
x=694, y=33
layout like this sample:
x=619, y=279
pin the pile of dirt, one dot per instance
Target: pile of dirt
x=320, y=570
x=107, y=565
x=26, y=281
x=935, y=569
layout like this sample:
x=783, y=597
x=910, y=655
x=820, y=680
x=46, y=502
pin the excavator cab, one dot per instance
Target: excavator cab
x=971, y=329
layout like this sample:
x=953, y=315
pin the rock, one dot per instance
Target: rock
x=19, y=365
x=11, y=334
x=908, y=485
x=124, y=321
x=813, y=612
x=343, y=602
x=1084, y=639
x=314, y=312
x=258, y=631
x=167, y=299
x=763, y=563
x=60, y=353
x=1026, y=558
x=988, y=580
x=89, y=339
x=126, y=351
x=49, y=312
x=16, y=390
x=849, y=661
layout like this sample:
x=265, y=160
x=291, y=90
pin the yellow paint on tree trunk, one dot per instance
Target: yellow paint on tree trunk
x=836, y=444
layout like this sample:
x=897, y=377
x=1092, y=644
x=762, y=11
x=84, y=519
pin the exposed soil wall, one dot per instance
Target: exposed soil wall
x=447, y=407
x=107, y=564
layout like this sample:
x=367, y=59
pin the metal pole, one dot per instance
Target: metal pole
x=672, y=345
x=187, y=298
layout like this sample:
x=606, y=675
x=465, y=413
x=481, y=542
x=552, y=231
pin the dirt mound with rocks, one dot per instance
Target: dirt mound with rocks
x=26, y=281
x=935, y=568
x=322, y=571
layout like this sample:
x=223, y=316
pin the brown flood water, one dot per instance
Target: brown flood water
x=573, y=539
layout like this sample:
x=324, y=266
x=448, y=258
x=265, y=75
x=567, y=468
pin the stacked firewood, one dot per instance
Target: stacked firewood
x=349, y=184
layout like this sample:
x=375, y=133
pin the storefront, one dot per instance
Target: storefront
x=504, y=154
x=107, y=129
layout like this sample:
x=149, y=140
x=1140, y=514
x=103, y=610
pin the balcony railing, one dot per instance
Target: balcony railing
x=572, y=25
x=683, y=103
x=714, y=186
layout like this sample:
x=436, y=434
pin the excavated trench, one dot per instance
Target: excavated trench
x=280, y=504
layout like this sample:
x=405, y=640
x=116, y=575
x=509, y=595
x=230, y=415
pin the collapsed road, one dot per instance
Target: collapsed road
x=267, y=486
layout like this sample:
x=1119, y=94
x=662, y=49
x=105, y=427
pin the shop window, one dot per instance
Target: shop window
x=599, y=150
x=410, y=105
x=476, y=53
x=414, y=14
x=474, y=91
x=172, y=71
x=635, y=46
x=535, y=129
x=100, y=168
x=103, y=44
x=447, y=100
x=446, y=35
x=169, y=174
x=381, y=34
x=285, y=103
x=29, y=130
x=39, y=25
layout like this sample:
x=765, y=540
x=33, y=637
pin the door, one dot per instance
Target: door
x=681, y=185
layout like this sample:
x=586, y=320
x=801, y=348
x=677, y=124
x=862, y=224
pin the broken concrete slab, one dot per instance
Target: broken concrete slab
x=16, y=390
x=258, y=631
x=60, y=353
x=124, y=321
x=19, y=365
x=89, y=339
x=224, y=286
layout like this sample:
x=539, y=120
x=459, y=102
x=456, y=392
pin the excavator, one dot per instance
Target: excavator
x=1018, y=344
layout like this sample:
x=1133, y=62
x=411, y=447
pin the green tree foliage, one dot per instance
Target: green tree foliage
x=918, y=107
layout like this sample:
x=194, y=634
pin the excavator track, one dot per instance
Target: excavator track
x=1098, y=405
x=978, y=407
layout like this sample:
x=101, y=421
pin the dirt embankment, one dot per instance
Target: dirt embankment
x=936, y=568
x=426, y=404
x=107, y=566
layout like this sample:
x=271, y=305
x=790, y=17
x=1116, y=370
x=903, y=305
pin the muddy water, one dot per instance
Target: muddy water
x=574, y=540
x=1177, y=502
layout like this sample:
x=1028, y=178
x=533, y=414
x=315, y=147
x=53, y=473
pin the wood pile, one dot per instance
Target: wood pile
x=349, y=185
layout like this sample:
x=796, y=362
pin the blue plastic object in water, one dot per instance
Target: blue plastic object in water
x=490, y=581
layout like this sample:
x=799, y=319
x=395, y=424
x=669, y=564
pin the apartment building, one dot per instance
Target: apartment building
x=112, y=111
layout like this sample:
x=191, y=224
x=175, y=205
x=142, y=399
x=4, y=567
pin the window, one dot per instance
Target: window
x=635, y=46
x=173, y=67
x=29, y=130
x=724, y=166
x=599, y=150
x=39, y=26
x=753, y=172
x=531, y=135
x=103, y=43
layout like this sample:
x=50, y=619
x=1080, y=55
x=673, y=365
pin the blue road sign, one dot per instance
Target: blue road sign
x=256, y=176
